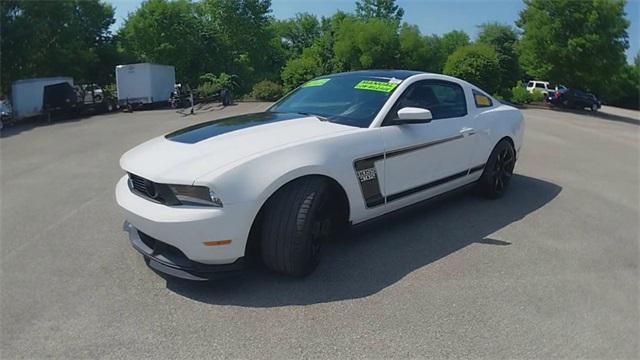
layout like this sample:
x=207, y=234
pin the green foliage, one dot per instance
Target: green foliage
x=297, y=33
x=626, y=92
x=207, y=89
x=52, y=38
x=576, y=43
x=414, y=53
x=223, y=81
x=209, y=36
x=504, y=39
x=246, y=39
x=439, y=48
x=580, y=44
x=172, y=33
x=367, y=44
x=110, y=89
x=298, y=71
x=477, y=64
x=452, y=41
x=267, y=90
x=381, y=9
x=537, y=96
x=211, y=84
x=520, y=95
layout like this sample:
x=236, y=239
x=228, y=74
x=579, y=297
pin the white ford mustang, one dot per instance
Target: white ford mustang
x=339, y=150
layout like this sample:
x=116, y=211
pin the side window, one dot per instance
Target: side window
x=540, y=85
x=443, y=98
x=530, y=84
x=481, y=99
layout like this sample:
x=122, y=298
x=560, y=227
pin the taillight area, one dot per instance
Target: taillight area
x=557, y=94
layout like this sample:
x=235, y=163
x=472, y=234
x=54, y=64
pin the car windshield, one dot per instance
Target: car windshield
x=349, y=99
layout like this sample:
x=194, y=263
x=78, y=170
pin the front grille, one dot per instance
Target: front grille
x=138, y=183
x=160, y=193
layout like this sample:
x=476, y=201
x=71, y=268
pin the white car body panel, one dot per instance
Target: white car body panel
x=179, y=163
x=245, y=167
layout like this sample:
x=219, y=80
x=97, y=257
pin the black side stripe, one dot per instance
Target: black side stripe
x=409, y=149
x=368, y=177
x=370, y=185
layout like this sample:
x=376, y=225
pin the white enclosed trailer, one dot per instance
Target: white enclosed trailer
x=27, y=95
x=144, y=83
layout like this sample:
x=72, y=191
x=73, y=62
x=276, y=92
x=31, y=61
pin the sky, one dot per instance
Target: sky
x=432, y=16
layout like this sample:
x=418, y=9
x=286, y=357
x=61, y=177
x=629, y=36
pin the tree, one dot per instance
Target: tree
x=297, y=33
x=451, y=41
x=57, y=38
x=381, y=9
x=577, y=43
x=298, y=71
x=414, y=53
x=367, y=44
x=504, y=39
x=212, y=36
x=243, y=27
x=477, y=64
x=171, y=33
x=626, y=89
x=442, y=47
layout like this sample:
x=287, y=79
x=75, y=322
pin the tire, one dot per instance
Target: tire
x=498, y=172
x=594, y=107
x=296, y=222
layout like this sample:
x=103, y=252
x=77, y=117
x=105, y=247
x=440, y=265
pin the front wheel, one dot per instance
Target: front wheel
x=594, y=107
x=498, y=170
x=297, y=220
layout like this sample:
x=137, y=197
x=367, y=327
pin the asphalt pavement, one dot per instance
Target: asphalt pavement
x=548, y=271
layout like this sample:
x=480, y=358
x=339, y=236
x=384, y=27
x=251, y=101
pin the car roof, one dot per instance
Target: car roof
x=398, y=74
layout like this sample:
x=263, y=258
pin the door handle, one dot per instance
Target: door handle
x=467, y=131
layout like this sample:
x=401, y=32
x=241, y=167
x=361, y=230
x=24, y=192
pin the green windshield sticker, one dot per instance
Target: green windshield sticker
x=376, y=85
x=317, y=82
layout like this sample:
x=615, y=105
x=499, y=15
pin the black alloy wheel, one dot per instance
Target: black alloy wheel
x=498, y=171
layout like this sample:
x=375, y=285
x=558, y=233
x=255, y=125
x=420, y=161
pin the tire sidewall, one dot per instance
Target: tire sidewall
x=290, y=224
x=486, y=184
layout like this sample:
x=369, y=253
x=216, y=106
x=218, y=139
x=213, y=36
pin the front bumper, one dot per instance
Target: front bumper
x=171, y=261
x=190, y=228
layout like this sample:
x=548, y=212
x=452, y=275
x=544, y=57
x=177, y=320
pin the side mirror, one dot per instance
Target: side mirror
x=414, y=115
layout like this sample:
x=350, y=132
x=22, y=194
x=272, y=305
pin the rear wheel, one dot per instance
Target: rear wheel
x=594, y=107
x=297, y=221
x=498, y=171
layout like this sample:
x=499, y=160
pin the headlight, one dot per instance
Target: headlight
x=196, y=195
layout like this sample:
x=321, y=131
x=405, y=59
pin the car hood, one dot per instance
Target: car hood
x=184, y=155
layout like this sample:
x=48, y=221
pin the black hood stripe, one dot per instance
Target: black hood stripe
x=209, y=129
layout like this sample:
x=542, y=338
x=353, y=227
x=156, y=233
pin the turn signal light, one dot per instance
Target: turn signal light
x=217, y=242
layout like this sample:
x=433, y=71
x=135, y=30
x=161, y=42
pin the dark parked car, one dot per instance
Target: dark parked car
x=574, y=99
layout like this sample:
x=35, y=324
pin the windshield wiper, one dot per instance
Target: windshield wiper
x=321, y=117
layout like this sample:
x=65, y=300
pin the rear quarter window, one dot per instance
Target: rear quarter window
x=481, y=100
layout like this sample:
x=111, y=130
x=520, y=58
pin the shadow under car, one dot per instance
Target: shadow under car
x=379, y=254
